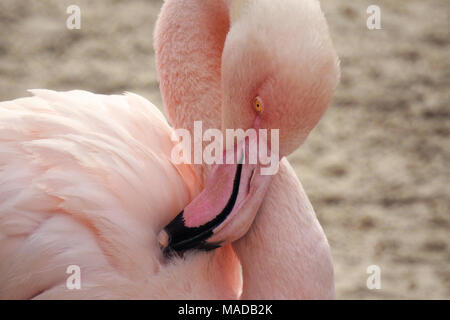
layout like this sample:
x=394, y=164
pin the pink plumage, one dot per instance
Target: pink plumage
x=88, y=180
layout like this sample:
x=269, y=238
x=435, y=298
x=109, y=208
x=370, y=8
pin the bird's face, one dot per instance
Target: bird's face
x=278, y=56
x=279, y=71
x=225, y=209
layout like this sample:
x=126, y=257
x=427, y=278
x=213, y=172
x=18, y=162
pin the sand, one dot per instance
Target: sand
x=374, y=168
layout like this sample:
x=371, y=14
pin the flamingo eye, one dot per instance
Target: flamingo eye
x=257, y=104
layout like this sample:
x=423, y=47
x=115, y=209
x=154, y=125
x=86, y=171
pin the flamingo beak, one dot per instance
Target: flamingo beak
x=223, y=211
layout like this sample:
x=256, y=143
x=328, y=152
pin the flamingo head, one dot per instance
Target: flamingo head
x=279, y=68
x=279, y=71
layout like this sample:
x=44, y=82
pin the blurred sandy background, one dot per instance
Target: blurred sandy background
x=376, y=168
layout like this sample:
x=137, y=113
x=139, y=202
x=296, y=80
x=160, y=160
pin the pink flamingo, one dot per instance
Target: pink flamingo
x=88, y=180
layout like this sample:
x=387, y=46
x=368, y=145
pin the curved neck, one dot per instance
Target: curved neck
x=285, y=254
x=194, y=30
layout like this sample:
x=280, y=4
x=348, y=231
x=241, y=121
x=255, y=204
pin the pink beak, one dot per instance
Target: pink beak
x=223, y=211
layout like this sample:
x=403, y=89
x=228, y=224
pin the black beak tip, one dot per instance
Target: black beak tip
x=170, y=249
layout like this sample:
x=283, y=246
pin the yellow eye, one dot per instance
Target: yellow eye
x=257, y=104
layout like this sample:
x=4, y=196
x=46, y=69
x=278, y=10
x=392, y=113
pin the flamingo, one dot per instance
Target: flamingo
x=88, y=180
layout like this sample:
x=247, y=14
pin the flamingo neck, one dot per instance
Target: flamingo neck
x=194, y=30
x=285, y=254
x=191, y=86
